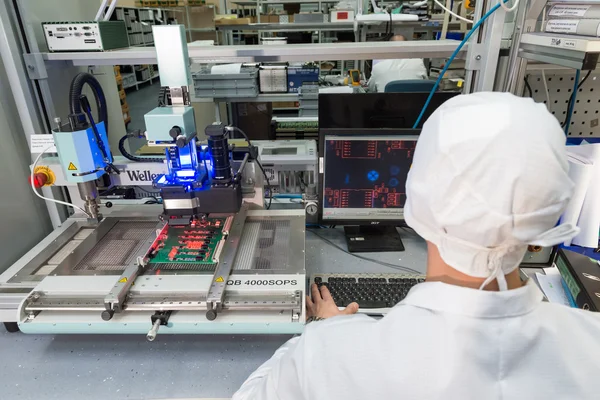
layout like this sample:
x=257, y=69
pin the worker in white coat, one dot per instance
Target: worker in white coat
x=489, y=177
x=386, y=71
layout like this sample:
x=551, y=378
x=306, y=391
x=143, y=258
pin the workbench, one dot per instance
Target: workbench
x=179, y=366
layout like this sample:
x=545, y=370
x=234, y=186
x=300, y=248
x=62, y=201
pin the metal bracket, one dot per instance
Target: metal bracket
x=35, y=65
x=216, y=292
x=475, y=61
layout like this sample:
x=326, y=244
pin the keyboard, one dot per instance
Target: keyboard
x=372, y=292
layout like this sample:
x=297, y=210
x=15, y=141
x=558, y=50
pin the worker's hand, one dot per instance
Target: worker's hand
x=322, y=305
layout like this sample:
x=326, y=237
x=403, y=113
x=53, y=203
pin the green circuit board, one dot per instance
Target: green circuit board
x=187, y=246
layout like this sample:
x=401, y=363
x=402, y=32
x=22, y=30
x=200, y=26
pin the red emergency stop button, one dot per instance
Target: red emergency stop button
x=39, y=179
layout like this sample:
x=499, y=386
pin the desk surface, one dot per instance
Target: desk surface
x=121, y=367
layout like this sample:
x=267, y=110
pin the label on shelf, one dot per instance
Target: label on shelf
x=562, y=25
x=563, y=10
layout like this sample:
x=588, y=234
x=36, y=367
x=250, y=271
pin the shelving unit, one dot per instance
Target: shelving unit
x=555, y=50
x=260, y=53
x=200, y=21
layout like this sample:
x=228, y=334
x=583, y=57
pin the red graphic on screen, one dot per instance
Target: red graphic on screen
x=366, y=173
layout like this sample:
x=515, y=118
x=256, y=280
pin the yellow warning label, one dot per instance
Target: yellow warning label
x=123, y=280
x=72, y=167
x=220, y=279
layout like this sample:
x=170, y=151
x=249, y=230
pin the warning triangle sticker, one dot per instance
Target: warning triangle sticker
x=220, y=279
x=123, y=280
x=72, y=167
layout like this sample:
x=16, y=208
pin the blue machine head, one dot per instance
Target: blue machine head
x=81, y=155
x=184, y=169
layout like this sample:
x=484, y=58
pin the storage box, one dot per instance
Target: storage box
x=130, y=3
x=298, y=75
x=244, y=84
x=342, y=15
x=233, y=21
x=269, y=18
x=201, y=17
x=308, y=17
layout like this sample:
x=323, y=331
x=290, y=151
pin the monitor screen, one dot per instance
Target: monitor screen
x=364, y=177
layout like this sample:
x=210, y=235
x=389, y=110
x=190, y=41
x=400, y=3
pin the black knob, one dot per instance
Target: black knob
x=180, y=142
x=211, y=315
x=174, y=132
x=107, y=315
x=108, y=204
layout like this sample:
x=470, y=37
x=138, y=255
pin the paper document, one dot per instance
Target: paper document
x=581, y=171
x=226, y=69
x=589, y=219
x=551, y=285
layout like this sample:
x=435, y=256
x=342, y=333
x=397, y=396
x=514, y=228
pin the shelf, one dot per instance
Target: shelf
x=291, y=27
x=333, y=26
x=200, y=29
x=149, y=79
x=261, y=98
x=140, y=82
x=255, y=2
x=153, y=8
x=258, y=53
x=578, y=52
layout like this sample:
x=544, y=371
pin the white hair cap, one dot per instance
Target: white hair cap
x=489, y=176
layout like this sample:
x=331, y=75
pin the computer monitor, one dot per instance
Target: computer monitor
x=376, y=110
x=363, y=180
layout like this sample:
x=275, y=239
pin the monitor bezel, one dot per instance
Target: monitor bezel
x=350, y=133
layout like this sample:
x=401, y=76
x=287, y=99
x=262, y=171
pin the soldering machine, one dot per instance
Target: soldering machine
x=214, y=261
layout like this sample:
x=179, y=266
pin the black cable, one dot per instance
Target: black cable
x=385, y=264
x=528, y=86
x=258, y=163
x=573, y=95
x=76, y=90
x=131, y=157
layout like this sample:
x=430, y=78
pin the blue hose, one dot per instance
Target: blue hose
x=452, y=57
x=287, y=196
x=572, y=102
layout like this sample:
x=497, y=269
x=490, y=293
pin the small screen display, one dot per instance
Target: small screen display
x=280, y=151
x=365, y=176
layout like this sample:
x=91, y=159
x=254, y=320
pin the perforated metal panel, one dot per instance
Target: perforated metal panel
x=64, y=252
x=264, y=246
x=69, y=246
x=118, y=247
x=585, y=122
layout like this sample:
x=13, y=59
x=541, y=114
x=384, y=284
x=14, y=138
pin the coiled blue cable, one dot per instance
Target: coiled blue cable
x=452, y=57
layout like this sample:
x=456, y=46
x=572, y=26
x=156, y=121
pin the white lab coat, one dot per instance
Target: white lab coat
x=395, y=70
x=441, y=342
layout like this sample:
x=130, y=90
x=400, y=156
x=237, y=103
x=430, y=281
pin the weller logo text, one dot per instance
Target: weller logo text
x=141, y=176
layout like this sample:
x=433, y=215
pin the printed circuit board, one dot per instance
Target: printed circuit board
x=188, y=246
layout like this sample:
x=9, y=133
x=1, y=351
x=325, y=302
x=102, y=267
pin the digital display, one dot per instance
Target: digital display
x=280, y=151
x=365, y=176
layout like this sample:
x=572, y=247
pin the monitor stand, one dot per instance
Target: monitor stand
x=369, y=238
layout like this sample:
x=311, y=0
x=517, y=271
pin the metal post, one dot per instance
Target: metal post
x=21, y=89
x=484, y=50
x=526, y=22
